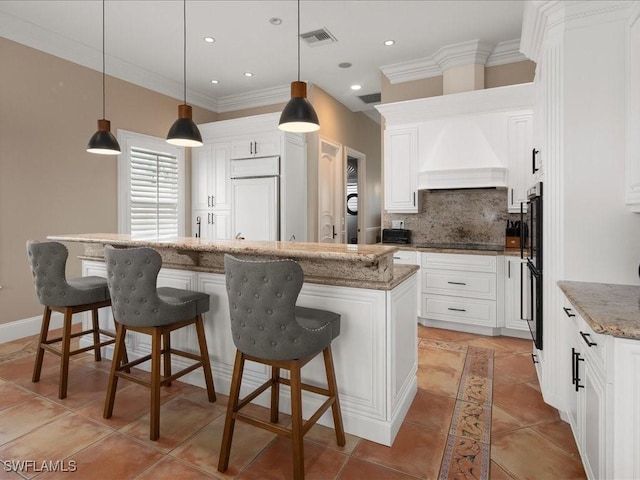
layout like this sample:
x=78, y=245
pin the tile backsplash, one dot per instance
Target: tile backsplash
x=477, y=215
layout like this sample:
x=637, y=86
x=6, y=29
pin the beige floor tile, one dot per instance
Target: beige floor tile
x=519, y=367
x=526, y=454
x=515, y=345
x=11, y=394
x=560, y=433
x=326, y=437
x=524, y=403
x=172, y=469
x=442, y=334
x=497, y=473
x=276, y=462
x=430, y=411
x=415, y=451
x=438, y=382
x=116, y=457
x=501, y=421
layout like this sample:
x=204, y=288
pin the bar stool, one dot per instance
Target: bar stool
x=48, y=262
x=268, y=328
x=138, y=305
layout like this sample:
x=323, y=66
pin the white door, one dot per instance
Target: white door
x=255, y=208
x=331, y=173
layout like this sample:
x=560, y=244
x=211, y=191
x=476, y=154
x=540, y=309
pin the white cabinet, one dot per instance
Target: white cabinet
x=459, y=289
x=401, y=169
x=632, y=164
x=520, y=147
x=256, y=145
x=514, y=274
x=210, y=176
x=212, y=224
x=411, y=257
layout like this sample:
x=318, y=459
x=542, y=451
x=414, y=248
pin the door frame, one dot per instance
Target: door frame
x=340, y=209
x=362, y=194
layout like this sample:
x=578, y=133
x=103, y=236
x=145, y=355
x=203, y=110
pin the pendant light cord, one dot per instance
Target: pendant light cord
x=103, y=75
x=184, y=48
x=298, y=40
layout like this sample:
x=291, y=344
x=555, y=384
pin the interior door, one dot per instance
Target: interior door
x=331, y=173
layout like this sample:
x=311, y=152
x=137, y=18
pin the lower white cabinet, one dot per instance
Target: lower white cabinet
x=514, y=274
x=603, y=399
x=410, y=257
x=212, y=224
x=459, y=288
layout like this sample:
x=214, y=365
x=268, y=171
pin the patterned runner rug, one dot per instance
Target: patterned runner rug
x=467, y=452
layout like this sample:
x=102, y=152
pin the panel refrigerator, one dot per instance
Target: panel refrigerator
x=255, y=192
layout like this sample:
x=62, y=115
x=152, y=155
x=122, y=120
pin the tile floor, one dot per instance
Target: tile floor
x=528, y=439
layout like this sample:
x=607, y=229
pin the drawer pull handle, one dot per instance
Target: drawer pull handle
x=534, y=358
x=397, y=258
x=456, y=283
x=568, y=312
x=587, y=338
x=457, y=309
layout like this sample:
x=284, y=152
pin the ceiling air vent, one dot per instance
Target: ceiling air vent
x=318, y=37
x=371, y=98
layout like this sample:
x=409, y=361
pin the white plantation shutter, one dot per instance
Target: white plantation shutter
x=154, y=194
x=150, y=187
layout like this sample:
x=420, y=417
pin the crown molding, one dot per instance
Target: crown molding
x=465, y=53
x=257, y=98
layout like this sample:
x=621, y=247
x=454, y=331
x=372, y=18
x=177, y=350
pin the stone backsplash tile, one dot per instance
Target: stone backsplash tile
x=477, y=215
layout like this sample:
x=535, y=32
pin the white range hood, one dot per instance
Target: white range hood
x=462, y=137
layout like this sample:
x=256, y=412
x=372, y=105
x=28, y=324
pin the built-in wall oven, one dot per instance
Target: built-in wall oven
x=531, y=274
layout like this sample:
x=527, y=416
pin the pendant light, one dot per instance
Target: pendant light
x=103, y=142
x=298, y=115
x=184, y=132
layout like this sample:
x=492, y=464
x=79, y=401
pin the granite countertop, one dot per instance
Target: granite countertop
x=365, y=253
x=512, y=252
x=608, y=308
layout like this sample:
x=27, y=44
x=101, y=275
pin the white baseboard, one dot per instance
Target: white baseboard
x=30, y=326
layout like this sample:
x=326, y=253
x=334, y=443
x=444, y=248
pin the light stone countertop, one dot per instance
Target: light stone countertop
x=511, y=252
x=609, y=309
x=348, y=265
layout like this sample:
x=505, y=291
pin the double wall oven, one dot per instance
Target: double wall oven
x=531, y=250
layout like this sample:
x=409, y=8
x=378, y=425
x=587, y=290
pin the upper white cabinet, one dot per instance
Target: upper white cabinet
x=401, y=169
x=632, y=192
x=520, y=151
x=463, y=141
x=256, y=145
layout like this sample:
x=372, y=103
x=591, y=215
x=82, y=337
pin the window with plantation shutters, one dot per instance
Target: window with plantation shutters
x=151, y=187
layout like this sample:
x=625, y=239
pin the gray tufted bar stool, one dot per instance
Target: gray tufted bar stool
x=48, y=262
x=140, y=306
x=268, y=328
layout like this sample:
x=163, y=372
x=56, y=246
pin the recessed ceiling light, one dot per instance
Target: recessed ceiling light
x=209, y=39
x=275, y=20
x=356, y=87
x=215, y=82
x=388, y=43
x=248, y=74
x=344, y=65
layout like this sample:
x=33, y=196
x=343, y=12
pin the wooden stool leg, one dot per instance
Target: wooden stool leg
x=64, y=357
x=232, y=408
x=275, y=394
x=154, y=416
x=333, y=391
x=96, y=335
x=119, y=352
x=44, y=333
x=166, y=348
x=204, y=358
x=296, y=422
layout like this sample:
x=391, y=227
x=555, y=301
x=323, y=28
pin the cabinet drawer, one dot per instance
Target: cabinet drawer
x=453, y=261
x=594, y=345
x=460, y=310
x=459, y=284
x=405, y=257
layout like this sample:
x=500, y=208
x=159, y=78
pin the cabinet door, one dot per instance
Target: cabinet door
x=222, y=224
x=203, y=224
x=258, y=145
x=592, y=417
x=220, y=178
x=520, y=146
x=514, y=270
x=401, y=169
x=202, y=177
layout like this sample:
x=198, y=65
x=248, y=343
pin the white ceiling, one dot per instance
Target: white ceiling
x=144, y=41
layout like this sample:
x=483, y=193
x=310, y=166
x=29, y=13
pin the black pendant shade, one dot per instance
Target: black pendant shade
x=298, y=115
x=103, y=142
x=183, y=132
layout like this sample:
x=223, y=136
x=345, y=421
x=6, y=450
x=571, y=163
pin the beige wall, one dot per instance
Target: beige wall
x=49, y=184
x=509, y=74
x=350, y=129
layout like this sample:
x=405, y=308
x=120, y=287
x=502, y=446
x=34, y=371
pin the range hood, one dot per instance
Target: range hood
x=463, y=137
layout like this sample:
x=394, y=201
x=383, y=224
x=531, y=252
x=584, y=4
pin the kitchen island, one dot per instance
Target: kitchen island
x=375, y=355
